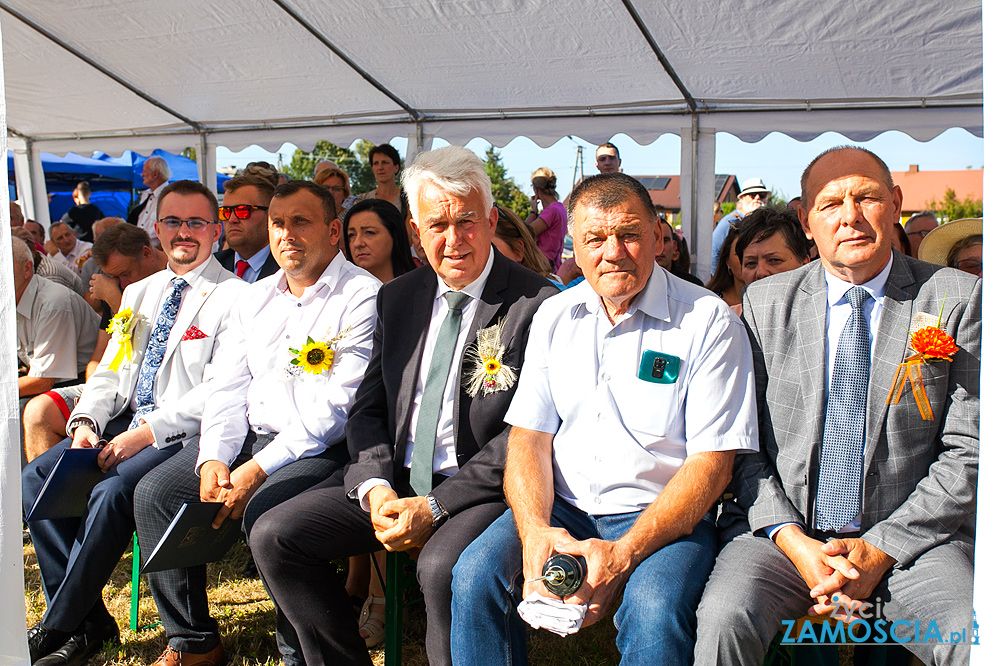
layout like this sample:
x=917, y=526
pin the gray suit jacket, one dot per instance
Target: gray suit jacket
x=919, y=483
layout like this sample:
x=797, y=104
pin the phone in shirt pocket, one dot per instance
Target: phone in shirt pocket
x=658, y=367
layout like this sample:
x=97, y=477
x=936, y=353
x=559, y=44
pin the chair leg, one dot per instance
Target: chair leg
x=133, y=619
x=394, y=609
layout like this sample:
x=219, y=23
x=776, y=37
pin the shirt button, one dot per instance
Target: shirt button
x=606, y=377
x=288, y=337
x=597, y=500
x=298, y=305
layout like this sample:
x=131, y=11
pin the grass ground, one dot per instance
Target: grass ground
x=246, y=622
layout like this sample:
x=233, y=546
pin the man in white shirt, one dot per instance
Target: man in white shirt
x=636, y=393
x=72, y=252
x=274, y=422
x=56, y=329
x=141, y=412
x=155, y=174
x=427, y=446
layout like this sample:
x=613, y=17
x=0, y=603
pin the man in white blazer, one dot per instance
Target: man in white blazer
x=141, y=408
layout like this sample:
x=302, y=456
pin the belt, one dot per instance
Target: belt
x=826, y=535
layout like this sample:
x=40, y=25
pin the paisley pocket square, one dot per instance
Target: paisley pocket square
x=193, y=333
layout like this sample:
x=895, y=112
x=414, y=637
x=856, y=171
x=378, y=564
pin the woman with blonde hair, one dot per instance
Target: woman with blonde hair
x=516, y=242
x=334, y=179
x=549, y=222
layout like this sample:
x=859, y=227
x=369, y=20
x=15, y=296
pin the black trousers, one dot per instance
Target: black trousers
x=294, y=543
x=180, y=594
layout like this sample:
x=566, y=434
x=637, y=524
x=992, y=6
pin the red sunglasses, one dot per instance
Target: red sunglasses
x=242, y=211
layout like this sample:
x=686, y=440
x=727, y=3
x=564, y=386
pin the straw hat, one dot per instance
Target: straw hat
x=938, y=243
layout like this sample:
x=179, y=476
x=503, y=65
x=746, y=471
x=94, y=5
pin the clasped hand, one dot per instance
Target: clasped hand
x=121, y=448
x=234, y=489
x=400, y=524
x=608, y=568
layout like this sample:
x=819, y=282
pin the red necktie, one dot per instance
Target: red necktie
x=241, y=267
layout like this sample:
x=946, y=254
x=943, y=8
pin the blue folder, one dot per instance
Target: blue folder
x=66, y=489
x=191, y=540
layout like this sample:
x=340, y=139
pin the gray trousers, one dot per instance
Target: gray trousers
x=180, y=594
x=754, y=586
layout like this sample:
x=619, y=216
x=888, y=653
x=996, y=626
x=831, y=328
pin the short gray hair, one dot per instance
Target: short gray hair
x=21, y=252
x=455, y=170
x=159, y=165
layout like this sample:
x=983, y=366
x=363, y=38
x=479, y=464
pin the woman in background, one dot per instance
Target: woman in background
x=727, y=281
x=385, y=163
x=549, y=222
x=515, y=241
x=376, y=239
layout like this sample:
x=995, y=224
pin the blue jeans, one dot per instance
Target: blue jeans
x=656, y=619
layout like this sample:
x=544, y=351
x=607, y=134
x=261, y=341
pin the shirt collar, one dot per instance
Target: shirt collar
x=475, y=288
x=256, y=261
x=836, y=288
x=652, y=300
x=192, y=274
x=28, y=297
x=328, y=280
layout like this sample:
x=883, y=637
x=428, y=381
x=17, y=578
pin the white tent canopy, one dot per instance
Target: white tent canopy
x=145, y=74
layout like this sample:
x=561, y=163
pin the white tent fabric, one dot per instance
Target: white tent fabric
x=146, y=74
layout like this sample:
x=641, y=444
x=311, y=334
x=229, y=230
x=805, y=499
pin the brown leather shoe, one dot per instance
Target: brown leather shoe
x=173, y=657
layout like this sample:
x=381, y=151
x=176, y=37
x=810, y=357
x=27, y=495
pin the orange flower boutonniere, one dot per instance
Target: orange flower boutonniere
x=929, y=343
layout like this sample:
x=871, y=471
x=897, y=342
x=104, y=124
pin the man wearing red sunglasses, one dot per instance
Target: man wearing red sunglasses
x=244, y=214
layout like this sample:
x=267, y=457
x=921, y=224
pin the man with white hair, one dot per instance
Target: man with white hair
x=426, y=434
x=56, y=329
x=73, y=252
x=155, y=174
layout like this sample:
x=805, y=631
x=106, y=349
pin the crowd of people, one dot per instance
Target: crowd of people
x=416, y=369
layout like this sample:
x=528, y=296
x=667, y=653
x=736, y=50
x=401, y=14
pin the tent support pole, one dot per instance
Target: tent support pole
x=31, y=183
x=698, y=172
x=205, y=155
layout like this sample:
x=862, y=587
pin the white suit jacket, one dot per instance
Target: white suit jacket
x=181, y=387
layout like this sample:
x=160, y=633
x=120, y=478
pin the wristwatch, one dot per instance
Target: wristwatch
x=437, y=511
x=78, y=421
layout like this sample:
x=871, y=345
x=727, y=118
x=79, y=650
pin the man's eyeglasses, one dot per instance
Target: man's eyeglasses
x=242, y=211
x=174, y=223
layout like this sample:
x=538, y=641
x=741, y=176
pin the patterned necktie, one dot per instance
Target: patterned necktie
x=422, y=460
x=154, y=351
x=241, y=267
x=838, y=496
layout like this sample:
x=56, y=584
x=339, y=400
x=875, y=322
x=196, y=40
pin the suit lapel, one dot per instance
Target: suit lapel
x=486, y=310
x=813, y=357
x=199, y=291
x=890, y=349
x=412, y=337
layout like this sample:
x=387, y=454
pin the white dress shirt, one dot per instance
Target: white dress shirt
x=75, y=258
x=445, y=459
x=254, y=388
x=619, y=439
x=147, y=218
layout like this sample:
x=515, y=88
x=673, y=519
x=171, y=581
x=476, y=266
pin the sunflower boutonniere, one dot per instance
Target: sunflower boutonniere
x=315, y=356
x=488, y=374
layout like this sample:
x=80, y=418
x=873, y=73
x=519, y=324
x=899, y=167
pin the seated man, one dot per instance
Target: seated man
x=56, y=329
x=124, y=255
x=244, y=216
x=47, y=267
x=147, y=410
x=427, y=439
x=636, y=394
x=72, y=252
x=274, y=423
x=852, y=498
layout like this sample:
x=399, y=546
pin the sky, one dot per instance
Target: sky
x=777, y=159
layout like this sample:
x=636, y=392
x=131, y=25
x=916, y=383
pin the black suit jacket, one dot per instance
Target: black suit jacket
x=378, y=424
x=227, y=258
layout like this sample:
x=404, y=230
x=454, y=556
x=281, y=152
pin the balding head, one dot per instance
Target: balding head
x=16, y=217
x=104, y=223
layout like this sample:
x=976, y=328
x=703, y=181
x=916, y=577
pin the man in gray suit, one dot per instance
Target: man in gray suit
x=852, y=500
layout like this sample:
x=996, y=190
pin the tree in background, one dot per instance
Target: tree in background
x=950, y=208
x=505, y=191
x=353, y=161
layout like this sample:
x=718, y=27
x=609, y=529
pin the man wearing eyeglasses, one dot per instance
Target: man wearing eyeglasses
x=244, y=214
x=917, y=227
x=752, y=196
x=142, y=412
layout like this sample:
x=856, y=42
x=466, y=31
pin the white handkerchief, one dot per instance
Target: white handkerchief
x=552, y=614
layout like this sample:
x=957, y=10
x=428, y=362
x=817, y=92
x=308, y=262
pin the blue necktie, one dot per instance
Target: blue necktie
x=154, y=351
x=425, y=437
x=838, y=496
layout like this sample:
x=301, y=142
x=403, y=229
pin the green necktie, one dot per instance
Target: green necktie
x=422, y=460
